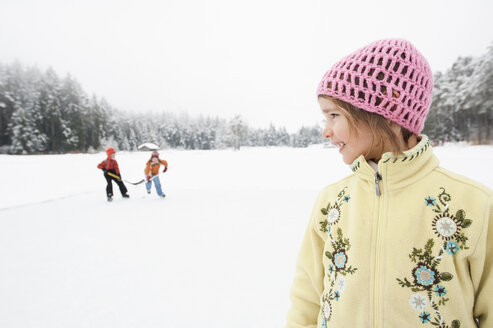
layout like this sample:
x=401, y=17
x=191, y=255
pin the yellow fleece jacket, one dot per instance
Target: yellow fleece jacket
x=409, y=246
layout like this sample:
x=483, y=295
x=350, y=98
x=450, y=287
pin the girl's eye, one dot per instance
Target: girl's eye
x=333, y=115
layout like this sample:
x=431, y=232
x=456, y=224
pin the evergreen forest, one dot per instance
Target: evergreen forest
x=41, y=112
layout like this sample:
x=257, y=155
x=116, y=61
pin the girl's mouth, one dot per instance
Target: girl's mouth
x=340, y=145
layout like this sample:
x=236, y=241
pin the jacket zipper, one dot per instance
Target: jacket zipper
x=378, y=178
x=376, y=291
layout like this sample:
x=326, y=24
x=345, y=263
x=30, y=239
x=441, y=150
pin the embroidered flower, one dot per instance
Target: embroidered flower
x=429, y=293
x=341, y=283
x=430, y=201
x=338, y=266
x=418, y=302
x=440, y=290
x=327, y=309
x=446, y=226
x=339, y=258
x=334, y=214
x=425, y=276
x=424, y=317
x=452, y=248
x=337, y=295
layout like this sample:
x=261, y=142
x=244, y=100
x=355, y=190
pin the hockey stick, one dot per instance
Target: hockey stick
x=143, y=180
x=113, y=175
x=133, y=183
x=119, y=179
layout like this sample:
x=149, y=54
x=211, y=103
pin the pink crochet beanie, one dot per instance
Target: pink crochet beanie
x=388, y=77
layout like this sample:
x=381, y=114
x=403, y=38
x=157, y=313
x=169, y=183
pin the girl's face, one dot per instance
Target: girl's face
x=338, y=130
x=112, y=156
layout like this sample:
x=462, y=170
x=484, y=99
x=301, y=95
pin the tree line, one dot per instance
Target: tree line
x=462, y=102
x=43, y=113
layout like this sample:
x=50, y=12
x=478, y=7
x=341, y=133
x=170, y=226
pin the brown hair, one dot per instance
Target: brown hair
x=378, y=125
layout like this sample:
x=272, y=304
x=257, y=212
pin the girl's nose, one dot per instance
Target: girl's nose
x=327, y=133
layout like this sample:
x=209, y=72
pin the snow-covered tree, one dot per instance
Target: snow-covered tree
x=239, y=129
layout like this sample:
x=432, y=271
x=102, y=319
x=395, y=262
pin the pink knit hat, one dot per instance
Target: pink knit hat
x=388, y=77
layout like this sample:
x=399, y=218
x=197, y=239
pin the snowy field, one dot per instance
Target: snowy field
x=218, y=252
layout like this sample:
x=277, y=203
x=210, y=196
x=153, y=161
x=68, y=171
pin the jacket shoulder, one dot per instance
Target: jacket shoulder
x=465, y=182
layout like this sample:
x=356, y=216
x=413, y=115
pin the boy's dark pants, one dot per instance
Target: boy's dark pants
x=109, y=186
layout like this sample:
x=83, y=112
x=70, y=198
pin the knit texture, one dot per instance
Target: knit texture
x=389, y=77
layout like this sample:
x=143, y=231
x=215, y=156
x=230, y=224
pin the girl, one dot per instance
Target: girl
x=401, y=242
x=112, y=173
x=152, y=173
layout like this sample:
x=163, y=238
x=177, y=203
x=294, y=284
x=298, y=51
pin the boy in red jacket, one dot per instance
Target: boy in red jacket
x=112, y=172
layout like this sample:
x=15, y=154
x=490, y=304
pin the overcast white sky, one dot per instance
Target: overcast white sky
x=259, y=58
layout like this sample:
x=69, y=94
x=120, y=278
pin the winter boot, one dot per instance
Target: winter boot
x=163, y=195
x=110, y=198
x=126, y=196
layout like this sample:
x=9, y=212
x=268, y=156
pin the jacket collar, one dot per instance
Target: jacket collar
x=397, y=171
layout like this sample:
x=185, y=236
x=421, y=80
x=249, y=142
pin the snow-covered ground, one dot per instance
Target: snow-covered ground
x=219, y=251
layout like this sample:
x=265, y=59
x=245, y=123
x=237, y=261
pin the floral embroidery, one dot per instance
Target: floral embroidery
x=340, y=259
x=338, y=256
x=337, y=295
x=326, y=308
x=424, y=317
x=332, y=213
x=428, y=283
x=418, y=302
x=446, y=226
x=341, y=283
x=451, y=247
x=440, y=290
x=430, y=201
x=425, y=276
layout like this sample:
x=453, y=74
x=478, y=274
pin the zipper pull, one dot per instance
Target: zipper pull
x=378, y=178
